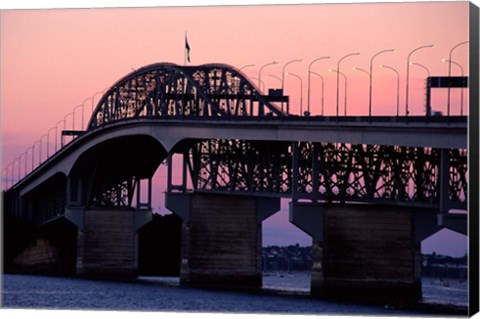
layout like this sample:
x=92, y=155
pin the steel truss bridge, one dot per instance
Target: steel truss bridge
x=230, y=138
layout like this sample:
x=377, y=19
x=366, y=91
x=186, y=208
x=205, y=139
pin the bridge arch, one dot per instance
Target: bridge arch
x=114, y=166
x=170, y=90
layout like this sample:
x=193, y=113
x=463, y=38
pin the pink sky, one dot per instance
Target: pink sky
x=52, y=60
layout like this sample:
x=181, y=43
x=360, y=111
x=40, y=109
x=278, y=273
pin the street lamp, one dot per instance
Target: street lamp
x=422, y=66
x=5, y=177
x=76, y=107
x=260, y=71
x=321, y=77
x=398, y=85
x=426, y=70
x=283, y=77
x=345, y=79
x=33, y=152
x=12, y=164
x=371, y=80
x=309, y=71
x=56, y=133
x=301, y=91
x=13, y=168
x=461, y=96
x=247, y=66
x=450, y=72
x=83, y=103
x=261, y=82
x=40, y=153
x=93, y=97
x=26, y=161
x=65, y=123
x=53, y=128
x=408, y=73
x=276, y=77
x=369, y=100
x=338, y=72
x=19, y=160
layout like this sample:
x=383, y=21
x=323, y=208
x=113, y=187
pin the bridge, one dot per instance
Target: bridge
x=367, y=190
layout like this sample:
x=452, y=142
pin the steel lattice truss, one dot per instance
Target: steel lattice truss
x=239, y=166
x=165, y=90
x=328, y=172
x=114, y=193
x=50, y=205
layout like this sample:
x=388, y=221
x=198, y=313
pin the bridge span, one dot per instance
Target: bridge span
x=362, y=187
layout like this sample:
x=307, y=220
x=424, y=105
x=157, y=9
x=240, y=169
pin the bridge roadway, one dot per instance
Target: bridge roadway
x=415, y=132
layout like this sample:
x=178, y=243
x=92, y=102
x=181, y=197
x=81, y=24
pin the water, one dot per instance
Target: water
x=282, y=293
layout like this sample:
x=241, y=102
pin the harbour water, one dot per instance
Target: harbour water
x=282, y=293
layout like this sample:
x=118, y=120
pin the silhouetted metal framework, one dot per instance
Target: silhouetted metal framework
x=331, y=172
x=170, y=90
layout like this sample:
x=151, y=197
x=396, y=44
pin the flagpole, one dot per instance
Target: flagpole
x=185, y=49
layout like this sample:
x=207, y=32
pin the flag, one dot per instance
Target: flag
x=187, y=50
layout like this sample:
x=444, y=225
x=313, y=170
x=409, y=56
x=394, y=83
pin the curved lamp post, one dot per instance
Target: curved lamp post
x=20, y=166
x=369, y=97
x=65, y=123
x=61, y=136
x=260, y=71
x=301, y=91
x=247, y=66
x=83, y=103
x=93, y=97
x=12, y=164
x=25, y=162
x=461, y=96
x=33, y=152
x=76, y=107
x=423, y=67
x=345, y=79
x=276, y=77
x=450, y=71
x=283, y=77
x=309, y=72
x=13, y=168
x=338, y=73
x=371, y=80
x=408, y=73
x=261, y=82
x=398, y=85
x=65, y=120
x=321, y=77
x=53, y=128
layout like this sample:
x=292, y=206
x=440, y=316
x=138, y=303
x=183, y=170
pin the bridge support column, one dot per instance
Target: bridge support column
x=107, y=242
x=363, y=251
x=221, y=237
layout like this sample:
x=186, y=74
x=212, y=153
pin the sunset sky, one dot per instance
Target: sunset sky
x=53, y=60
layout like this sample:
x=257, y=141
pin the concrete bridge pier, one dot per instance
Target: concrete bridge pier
x=365, y=251
x=107, y=243
x=221, y=237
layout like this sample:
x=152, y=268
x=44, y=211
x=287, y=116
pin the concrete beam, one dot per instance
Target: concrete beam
x=455, y=222
x=76, y=215
x=179, y=204
x=425, y=223
x=266, y=207
x=308, y=217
